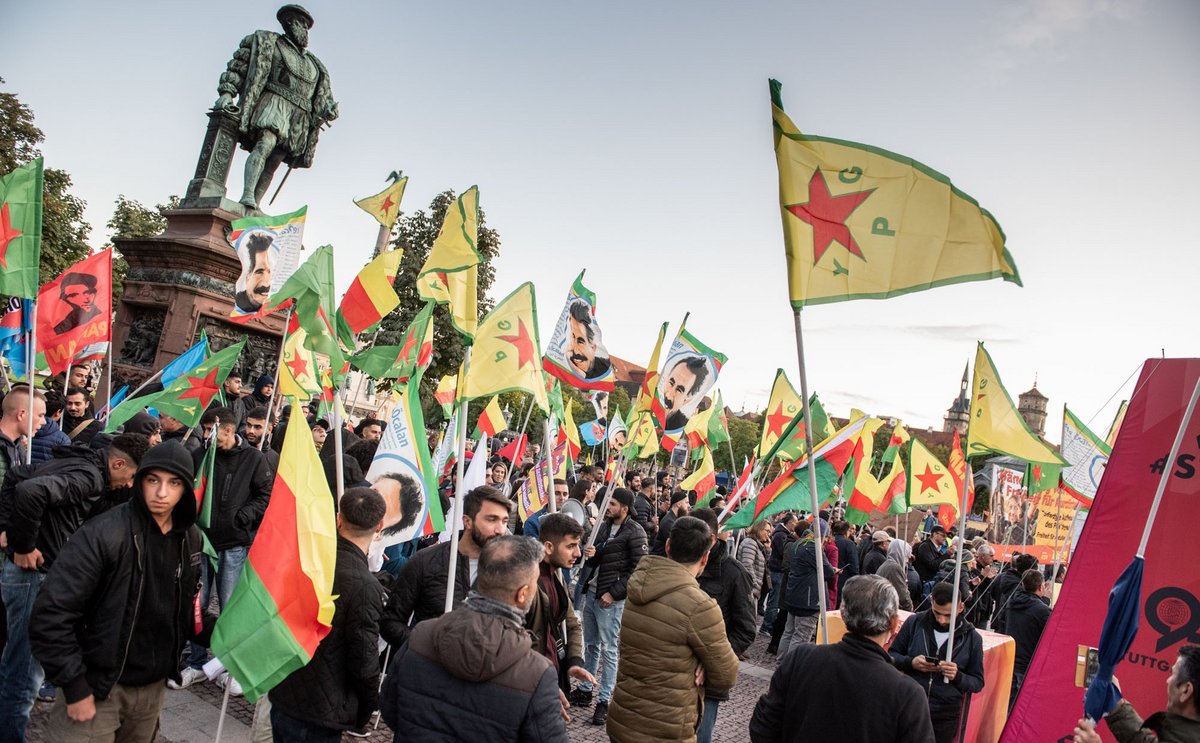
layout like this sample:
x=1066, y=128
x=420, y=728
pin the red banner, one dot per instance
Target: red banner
x=1051, y=700
x=74, y=313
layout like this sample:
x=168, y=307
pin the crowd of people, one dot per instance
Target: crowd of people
x=640, y=628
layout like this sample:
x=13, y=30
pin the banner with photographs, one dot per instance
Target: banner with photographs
x=576, y=353
x=269, y=249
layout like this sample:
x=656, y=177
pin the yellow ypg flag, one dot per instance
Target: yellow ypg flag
x=299, y=376
x=929, y=481
x=783, y=405
x=643, y=438
x=995, y=425
x=451, y=272
x=864, y=223
x=385, y=205
x=507, y=353
x=649, y=388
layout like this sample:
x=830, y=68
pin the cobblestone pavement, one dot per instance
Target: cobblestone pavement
x=191, y=715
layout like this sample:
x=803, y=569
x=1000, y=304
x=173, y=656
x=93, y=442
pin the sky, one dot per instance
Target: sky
x=633, y=139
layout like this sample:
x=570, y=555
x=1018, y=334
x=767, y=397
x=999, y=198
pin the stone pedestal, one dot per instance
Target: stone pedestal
x=206, y=190
x=179, y=284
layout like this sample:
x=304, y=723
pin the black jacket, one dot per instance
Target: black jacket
x=664, y=531
x=420, y=592
x=49, y=502
x=338, y=689
x=1025, y=618
x=847, y=560
x=241, y=491
x=916, y=638
x=83, y=627
x=873, y=559
x=801, y=595
x=927, y=560
x=615, y=558
x=472, y=676
x=1003, y=588
x=843, y=692
x=780, y=536
x=643, y=512
x=727, y=581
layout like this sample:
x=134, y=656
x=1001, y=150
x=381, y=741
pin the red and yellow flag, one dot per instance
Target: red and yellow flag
x=703, y=480
x=645, y=399
x=451, y=272
x=370, y=296
x=930, y=483
x=783, y=405
x=491, y=420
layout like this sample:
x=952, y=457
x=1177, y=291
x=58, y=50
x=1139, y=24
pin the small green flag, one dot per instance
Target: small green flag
x=21, y=230
x=187, y=397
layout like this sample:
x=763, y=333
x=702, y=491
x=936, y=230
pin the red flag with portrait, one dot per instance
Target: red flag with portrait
x=74, y=313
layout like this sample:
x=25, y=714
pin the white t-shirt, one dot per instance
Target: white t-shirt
x=940, y=637
x=474, y=570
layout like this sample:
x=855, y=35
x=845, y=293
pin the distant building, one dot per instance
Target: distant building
x=627, y=375
x=1032, y=407
x=959, y=413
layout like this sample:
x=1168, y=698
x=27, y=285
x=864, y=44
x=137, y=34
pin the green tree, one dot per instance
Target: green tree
x=64, y=233
x=415, y=234
x=131, y=219
x=743, y=436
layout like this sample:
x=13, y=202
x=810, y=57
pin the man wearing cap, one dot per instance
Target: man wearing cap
x=283, y=99
x=112, y=616
x=620, y=544
x=679, y=506
x=929, y=554
x=877, y=555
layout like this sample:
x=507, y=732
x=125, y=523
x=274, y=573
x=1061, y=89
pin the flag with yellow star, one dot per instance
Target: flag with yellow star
x=451, y=272
x=21, y=230
x=385, y=205
x=860, y=222
x=186, y=398
x=507, y=353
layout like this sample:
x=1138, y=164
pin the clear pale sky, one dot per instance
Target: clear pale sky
x=633, y=139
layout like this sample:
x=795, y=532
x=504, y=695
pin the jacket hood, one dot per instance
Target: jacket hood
x=655, y=577
x=716, y=556
x=478, y=647
x=174, y=458
x=1022, y=599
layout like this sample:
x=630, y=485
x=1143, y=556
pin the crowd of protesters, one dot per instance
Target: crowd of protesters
x=640, y=629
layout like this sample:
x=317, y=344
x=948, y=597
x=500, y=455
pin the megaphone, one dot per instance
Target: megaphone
x=575, y=510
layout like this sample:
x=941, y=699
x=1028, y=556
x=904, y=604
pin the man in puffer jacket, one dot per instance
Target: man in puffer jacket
x=673, y=642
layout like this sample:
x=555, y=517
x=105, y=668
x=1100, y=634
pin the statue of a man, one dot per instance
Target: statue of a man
x=284, y=98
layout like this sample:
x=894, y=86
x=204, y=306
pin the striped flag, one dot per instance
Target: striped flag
x=369, y=297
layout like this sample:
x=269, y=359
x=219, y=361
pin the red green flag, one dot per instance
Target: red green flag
x=21, y=230
x=188, y=396
x=204, y=498
x=311, y=288
x=863, y=492
x=403, y=362
x=283, y=604
x=718, y=424
x=792, y=445
x=895, y=483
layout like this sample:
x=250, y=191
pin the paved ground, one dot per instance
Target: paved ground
x=192, y=715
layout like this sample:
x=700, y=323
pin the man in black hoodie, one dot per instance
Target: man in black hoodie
x=1025, y=618
x=1005, y=585
x=112, y=616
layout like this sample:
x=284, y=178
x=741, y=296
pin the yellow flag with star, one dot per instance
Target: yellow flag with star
x=507, y=354
x=995, y=425
x=860, y=222
x=299, y=376
x=783, y=405
x=385, y=205
x=929, y=481
x=451, y=272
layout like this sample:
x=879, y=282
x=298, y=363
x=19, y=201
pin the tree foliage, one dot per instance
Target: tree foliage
x=64, y=232
x=131, y=219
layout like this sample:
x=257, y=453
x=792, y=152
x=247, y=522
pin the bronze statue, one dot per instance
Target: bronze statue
x=283, y=100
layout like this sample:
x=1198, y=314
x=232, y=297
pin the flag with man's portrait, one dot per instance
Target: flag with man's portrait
x=74, y=313
x=576, y=353
x=269, y=249
x=689, y=372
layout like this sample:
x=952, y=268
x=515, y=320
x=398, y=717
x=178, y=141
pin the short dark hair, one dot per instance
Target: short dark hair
x=690, y=540
x=226, y=416
x=257, y=242
x=410, y=502
x=943, y=593
x=366, y=423
x=840, y=528
x=72, y=279
x=362, y=509
x=557, y=480
x=579, y=490
x=787, y=518
x=77, y=391
x=474, y=499
x=1032, y=581
x=132, y=445
x=1023, y=563
x=557, y=526
x=363, y=452
x=257, y=413
x=210, y=416
x=698, y=366
x=708, y=516
x=891, y=531
x=55, y=402
x=505, y=564
x=1189, y=669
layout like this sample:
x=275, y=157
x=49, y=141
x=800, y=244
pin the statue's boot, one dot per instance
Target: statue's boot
x=248, y=200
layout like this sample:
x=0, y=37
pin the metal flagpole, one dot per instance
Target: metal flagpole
x=275, y=387
x=608, y=492
x=1166, y=474
x=818, y=553
x=457, y=510
x=958, y=555
x=31, y=375
x=552, y=504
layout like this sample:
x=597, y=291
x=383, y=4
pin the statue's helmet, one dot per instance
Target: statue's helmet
x=293, y=11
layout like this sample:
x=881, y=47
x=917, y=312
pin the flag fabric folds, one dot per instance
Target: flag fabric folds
x=895, y=483
x=188, y=396
x=862, y=491
x=996, y=426
x=689, y=372
x=576, y=353
x=283, y=605
x=369, y=297
x=189, y=359
x=311, y=288
x=269, y=250
x=408, y=360
x=1087, y=456
x=447, y=389
x=451, y=272
x=645, y=398
x=703, y=480
x=403, y=473
x=74, y=313
x=929, y=481
x=860, y=222
x=507, y=354
x=491, y=420
x=21, y=196
x=957, y=467
x=300, y=374
x=643, y=438
x=782, y=406
x=385, y=205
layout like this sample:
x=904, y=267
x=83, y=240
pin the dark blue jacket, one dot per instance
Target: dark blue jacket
x=801, y=596
x=48, y=437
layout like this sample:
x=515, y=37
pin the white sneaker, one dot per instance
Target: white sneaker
x=187, y=678
x=235, y=689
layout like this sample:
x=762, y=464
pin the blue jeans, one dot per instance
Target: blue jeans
x=229, y=569
x=285, y=729
x=708, y=720
x=773, y=600
x=20, y=673
x=601, y=631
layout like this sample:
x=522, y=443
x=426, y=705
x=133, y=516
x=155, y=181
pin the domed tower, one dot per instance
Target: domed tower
x=1032, y=407
x=959, y=413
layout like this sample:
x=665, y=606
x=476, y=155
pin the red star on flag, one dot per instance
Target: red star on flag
x=387, y=205
x=828, y=214
x=203, y=389
x=409, y=342
x=522, y=342
x=298, y=366
x=776, y=421
x=7, y=234
x=930, y=480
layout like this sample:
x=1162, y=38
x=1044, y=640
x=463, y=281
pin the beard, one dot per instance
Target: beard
x=480, y=539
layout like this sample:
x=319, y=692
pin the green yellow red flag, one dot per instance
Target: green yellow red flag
x=860, y=222
x=643, y=436
x=507, y=354
x=311, y=288
x=21, y=230
x=385, y=205
x=645, y=399
x=447, y=389
x=895, y=483
x=451, y=272
x=283, y=604
x=996, y=426
x=703, y=480
x=718, y=423
x=862, y=491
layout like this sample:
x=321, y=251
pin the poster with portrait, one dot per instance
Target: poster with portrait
x=403, y=474
x=689, y=372
x=269, y=251
x=74, y=313
x=576, y=353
